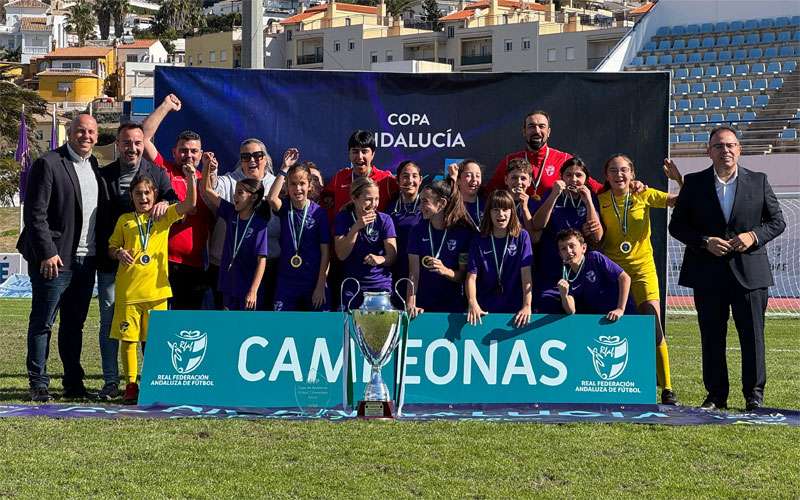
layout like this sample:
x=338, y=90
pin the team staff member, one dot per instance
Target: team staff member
x=58, y=242
x=188, y=237
x=546, y=161
x=361, y=149
x=114, y=200
x=726, y=214
x=625, y=215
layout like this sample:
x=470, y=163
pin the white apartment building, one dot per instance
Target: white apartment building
x=32, y=28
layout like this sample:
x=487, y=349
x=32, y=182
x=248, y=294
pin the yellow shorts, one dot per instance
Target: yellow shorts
x=644, y=285
x=131, y=320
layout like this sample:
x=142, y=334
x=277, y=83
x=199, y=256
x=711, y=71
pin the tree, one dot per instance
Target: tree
x=119, y=10
x=12, y=98
x=82, y=21
x=176, y=18
x=396, y=8
x=12, y=55
x=431, y=14
x=223, y=23
x=102, y=9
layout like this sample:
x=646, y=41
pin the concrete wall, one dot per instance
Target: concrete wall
x=199, y=48
x=83, y=88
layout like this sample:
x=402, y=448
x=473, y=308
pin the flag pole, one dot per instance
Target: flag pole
x=21, y=199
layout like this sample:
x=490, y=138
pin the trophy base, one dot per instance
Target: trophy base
x=375, y=409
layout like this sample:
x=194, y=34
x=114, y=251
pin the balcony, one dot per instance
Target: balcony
x=473, y=60
x=309, y=59
x=34, y=50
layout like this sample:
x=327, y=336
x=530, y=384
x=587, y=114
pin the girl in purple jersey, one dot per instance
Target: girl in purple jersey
x=438, y=248
x=405, y=213
x=499, y=267
x=365, y=241
x=244, y=257
x=591, y=283
x=468, y=176
x=305, y=239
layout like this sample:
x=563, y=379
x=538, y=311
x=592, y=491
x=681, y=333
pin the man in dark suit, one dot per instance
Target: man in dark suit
x=115, y=200
x=58, y=242
x=725, y=215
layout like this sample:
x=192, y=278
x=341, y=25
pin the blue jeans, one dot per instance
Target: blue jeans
x=109, y=348
x=70, y=293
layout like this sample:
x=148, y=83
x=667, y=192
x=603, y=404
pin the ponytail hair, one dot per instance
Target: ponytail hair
x=454, y=212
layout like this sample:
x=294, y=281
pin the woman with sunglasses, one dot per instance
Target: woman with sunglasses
x=254, y=163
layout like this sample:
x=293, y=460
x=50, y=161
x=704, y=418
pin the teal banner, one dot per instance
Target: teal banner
x=296, y=360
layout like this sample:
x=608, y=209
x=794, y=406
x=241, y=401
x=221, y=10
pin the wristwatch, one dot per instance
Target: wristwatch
x=704, y=244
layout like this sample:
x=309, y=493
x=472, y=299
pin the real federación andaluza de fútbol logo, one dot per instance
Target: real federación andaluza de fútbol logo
x=609, y=356
x=188, y=350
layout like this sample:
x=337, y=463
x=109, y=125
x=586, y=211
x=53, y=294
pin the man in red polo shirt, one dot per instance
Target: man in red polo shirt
x=361, y=147
x=546, y=161
x=188, y=237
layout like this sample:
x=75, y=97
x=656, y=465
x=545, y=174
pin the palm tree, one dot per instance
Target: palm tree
x=119, y=10
x=82, y=21
x=102, y=9
x=179, y=17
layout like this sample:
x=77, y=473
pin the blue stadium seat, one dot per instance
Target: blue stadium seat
x=789, y=66
x=737, y=40
x=637, y=61
x=679, y=44
x=673, y=105
x=774, y=68
x=682, y=73
x=758, y=68
x=673, y=119
x=710, y=56
x=680, y=58
x=732, y=116
x=673, y=138
x=712, y=71
x=748, y=116
x=781, y=22
x=746, y=101
x=789, y=134
x=730, y=102
x=728, y=86
x=786, y=51
x=701, y=137
x=678, y=30
x=760, y=84
x=692, y=29
x=685, y=137
x=752, y=39
x=741, y=69
x=796, y=36
x=651, y=61
x=713, y=87
x=696, y=72
x=775, y=83
x=770, y=52
x=698, y=103
x=717, y=118
x=725, y=55
x=755, y=53
x=665, y=59
x=726, y=70
x=693, y=43
x=708, y=42
x=700, y=119
x=664, y=30
x=737, y=26
x=695, y=57
x=682, y=89
x=752, y=24
x=707, y=28
x=684, y=105
x=767, y=23
x=785, y=36
x=723, y=41
x=664, y=45
x=762, y=100
x=795, y=21
x=685, y=120
x=649, y=46
x=697, y=88
x=768, y=37
x=722, y=27
x=714, y=103
x=744, y=85
x=740, y=54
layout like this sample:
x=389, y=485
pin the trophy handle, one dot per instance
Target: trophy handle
x=341, y=293
x=402, y=299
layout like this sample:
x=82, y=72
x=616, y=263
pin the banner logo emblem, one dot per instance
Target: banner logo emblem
x=609, y=356
x=188, y=351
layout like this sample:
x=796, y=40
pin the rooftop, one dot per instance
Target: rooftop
x=319, y=9
x=28, y=4
x=78, y=52
x=470, y=8
x=34, y=24
x=138, y=44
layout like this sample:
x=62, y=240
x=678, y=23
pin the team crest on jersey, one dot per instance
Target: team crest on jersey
x=123, y=327
x=372, y=234
x=512, y=249
x=278, y=305
x=249, y=232
x=310, y=223
x=549, y=170
x=451, y=245
x=591, y=277
x=581, y=210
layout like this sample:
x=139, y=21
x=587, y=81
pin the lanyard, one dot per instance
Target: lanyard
x=499, y=266
x=144, y=238
x=623, y=220
x=475, y=223
x=237, y=243
x=567, y=271
x=441, y=244
x=571, y=199
x=297, y=236
x=541, y=168
x=402, y=205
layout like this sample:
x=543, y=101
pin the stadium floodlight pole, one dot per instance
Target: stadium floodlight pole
x=253, y=34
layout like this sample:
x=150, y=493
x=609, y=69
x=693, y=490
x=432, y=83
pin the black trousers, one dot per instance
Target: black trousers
x=713, y=310
x=189, y=286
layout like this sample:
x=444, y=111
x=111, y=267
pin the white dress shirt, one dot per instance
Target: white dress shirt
x=726, y=192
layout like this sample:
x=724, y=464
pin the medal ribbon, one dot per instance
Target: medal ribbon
x=478, y=214
x=567, y=270
x=368, y=227
x=499, y=266
x=567, y=195
x=297, y=236
x=623, y=221
x=430, y=235
x=541, y=168
x=144, y=239
x=399, y=204
x=237, y=243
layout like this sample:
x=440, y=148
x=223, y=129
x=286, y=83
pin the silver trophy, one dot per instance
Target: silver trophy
x=377, y=328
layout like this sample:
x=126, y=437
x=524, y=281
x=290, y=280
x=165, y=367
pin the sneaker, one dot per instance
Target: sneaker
x=108, y=392
x=669, y=398
x=131, y=396
x=40, y=394
x=78, y=393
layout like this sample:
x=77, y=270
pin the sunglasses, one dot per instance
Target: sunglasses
x=256, y=156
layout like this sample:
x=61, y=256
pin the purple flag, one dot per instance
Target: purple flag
x=23, y=156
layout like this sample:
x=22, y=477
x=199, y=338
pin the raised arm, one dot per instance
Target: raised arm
x=210, y=195
x=290, y=158
x=188, y=204
x=153, y=121
x=672, y=172
x=542, y=215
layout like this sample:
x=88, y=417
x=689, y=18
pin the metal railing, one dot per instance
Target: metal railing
x=309, y=59
x=471, y=60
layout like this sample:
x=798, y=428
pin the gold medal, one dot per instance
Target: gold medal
x=428, y=261
x=625, y=247
x=296, y=261
x=145, y=259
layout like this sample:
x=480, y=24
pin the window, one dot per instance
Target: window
x=288, y=63
x=351, y=44
x=570, y=53
x=552, y=55
x=131, y=58
x=389, y=57
x=526, y=44
x=347, y=21
x=223, y=55
x=71, y=65
x=451, y=32
x=373, y=57
x=212, y=56
x=65, y=87
x=509, y=45
x=337, y=46
x=288, y=35
x=190, y=60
